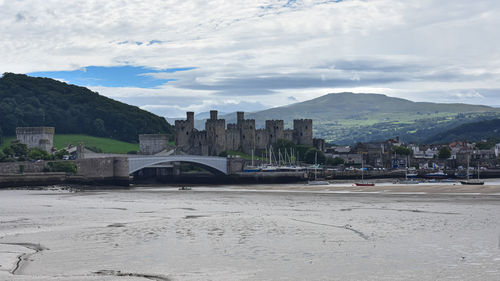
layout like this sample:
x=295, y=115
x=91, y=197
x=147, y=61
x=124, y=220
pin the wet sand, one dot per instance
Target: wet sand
x=255, y=232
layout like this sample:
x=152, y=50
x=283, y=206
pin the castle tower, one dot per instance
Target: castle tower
x=36, y=137
x=302, y=131
x=247, y=132
x=274, y=129
x=216, y=134
x=183, y=131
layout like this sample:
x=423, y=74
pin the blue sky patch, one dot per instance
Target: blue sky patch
x=112, y=76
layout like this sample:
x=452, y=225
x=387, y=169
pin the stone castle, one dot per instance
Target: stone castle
x=242, y=136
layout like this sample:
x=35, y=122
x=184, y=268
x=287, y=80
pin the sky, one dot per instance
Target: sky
x=172, y=56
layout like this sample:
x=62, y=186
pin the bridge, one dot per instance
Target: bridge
x=216, y=164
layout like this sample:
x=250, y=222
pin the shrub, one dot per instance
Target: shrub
x=61, y=166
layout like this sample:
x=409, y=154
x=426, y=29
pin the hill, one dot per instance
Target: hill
x=346, y=118
x=476, y=131
x=29, y=101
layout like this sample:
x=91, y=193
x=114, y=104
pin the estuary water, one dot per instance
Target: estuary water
x=282, y=232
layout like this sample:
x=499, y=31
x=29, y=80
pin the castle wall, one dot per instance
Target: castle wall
x=152, y=143
x=303, y=131
x=261, y=139
x=232, y=137
x=198, y=143
x=36, y=137
x=288, y=135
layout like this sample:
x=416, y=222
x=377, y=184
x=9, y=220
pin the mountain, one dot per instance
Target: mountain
x=347, y=118
x=29, y=101
x=476, y=131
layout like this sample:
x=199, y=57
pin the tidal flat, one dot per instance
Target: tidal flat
x=261, y=232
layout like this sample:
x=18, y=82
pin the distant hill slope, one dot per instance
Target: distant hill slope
x=29, y=101
x=346, y=118
x=475, y=131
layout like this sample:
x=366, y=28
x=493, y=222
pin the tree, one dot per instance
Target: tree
x=334, y=161
x=444, y=152
x=311, y=155
x=401, y=150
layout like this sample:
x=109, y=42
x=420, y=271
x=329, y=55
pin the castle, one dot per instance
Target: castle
x=36, y=137
x=242, y=136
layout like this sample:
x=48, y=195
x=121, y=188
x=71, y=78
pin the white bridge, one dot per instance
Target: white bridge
x=135, y=163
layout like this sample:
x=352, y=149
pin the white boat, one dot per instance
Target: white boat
x=318, y=182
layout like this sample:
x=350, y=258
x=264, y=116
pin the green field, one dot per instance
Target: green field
x=106, y=145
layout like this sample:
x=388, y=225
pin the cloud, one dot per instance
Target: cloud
x=263, y=51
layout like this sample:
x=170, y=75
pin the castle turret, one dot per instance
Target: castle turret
x=274, y=129
x=216, y=134
x=213, y=114
x=183, y=131
x=302, y=131
x=240, y=116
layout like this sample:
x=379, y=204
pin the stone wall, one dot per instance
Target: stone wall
x=232, y=137
x=152, y=143
x=14, y=167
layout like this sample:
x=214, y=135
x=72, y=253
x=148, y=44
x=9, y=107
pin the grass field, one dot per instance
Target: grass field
x=106, y=145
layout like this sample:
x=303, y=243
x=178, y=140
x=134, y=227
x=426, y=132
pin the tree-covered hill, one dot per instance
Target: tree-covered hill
x=475, y=131
x=29, y=101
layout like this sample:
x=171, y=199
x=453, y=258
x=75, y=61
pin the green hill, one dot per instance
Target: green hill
x=475, y=131
x=346, y=118
x=29, y=101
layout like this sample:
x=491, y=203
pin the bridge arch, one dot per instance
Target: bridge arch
x=218, y=164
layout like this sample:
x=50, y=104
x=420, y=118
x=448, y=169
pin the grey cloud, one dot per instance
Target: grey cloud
x=20, y=16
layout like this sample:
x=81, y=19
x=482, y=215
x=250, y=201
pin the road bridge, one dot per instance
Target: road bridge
x=216, y=164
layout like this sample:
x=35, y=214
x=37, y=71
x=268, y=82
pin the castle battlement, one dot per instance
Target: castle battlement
x=242, y=136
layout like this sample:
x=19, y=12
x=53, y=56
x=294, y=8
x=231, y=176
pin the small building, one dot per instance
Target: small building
x=36, y=137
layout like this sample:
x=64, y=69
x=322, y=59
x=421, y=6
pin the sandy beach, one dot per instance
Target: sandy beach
x=255, y=232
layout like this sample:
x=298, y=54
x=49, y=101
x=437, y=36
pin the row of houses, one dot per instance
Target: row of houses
x=383, y=155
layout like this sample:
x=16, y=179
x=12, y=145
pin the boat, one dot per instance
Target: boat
x=184, y=188
x=408, y=182
x=411, y=175
x=436, y=175
x=363, y=182
x=316, y=181
x=473, y=181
